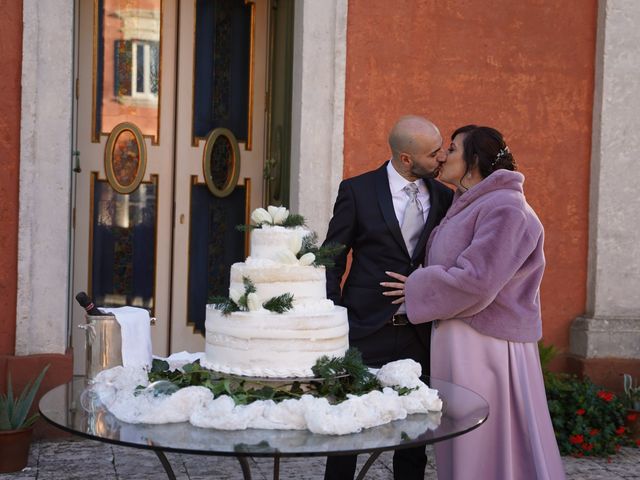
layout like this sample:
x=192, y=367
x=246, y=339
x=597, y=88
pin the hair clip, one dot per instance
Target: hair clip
x=501, y=153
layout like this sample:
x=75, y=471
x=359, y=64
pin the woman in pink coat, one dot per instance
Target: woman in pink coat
x=481, y=288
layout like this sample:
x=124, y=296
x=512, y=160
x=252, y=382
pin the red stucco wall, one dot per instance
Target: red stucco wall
x=525, y=68
x=10, y=66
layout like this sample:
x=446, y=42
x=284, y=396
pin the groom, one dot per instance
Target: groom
x=384, y=218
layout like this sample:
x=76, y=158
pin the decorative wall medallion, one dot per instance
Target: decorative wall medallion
x=221, y=162
x=125, y=158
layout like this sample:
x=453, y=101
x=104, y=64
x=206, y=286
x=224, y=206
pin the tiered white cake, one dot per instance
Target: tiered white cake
x=261, y=343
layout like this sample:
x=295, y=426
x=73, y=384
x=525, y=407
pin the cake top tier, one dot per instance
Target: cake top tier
x=268, y=240
x=282, y=237
x=277, y=234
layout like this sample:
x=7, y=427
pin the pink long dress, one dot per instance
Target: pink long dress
x=517, y=441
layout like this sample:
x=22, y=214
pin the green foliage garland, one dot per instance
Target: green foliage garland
x=344, y=375
x=335, y=379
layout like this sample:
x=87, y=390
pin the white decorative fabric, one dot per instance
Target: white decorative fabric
x=135, y=328
x=413, y=221
x=118, y=390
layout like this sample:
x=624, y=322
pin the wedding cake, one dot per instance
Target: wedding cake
x=277, y=320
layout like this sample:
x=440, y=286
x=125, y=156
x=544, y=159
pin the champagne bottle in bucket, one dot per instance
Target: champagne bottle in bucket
x=103, y=338
x=85, y=302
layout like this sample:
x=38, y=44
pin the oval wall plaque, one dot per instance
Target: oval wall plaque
x=125, y=158
x=221, y=162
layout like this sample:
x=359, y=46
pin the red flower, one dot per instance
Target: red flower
x=576, y=439
x=638, y=442
x=587, y=447
x=632, y=417
x=604, y=395
x=594, y=432
x=620, y=430
x=580, y=411
x=579, y=454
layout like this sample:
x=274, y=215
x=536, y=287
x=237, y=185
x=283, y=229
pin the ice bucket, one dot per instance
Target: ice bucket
x=103, y=344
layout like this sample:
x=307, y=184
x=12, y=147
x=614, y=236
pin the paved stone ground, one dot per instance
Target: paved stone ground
x=88, y=459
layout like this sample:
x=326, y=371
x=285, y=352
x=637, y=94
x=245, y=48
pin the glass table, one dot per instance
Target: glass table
x=462, y=412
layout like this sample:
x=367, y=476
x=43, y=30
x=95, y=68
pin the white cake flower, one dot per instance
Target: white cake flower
x=280, y=215
x=235, y=294
x=253, y=302
x=272, y=210
x=260, y=216
x=307, y=259
x=295, y=243
x=285, y=257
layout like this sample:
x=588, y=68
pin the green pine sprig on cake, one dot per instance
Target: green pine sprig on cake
x=280, y=304
x=224, y=304
x=250, y=302
x=324, y=255
x=294, y=220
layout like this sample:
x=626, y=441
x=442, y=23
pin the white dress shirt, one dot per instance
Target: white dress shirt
x=400, y=199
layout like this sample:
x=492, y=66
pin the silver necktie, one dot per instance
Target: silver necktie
x=413, y=221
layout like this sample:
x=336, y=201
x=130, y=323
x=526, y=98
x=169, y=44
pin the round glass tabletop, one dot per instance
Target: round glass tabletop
x=463, y=411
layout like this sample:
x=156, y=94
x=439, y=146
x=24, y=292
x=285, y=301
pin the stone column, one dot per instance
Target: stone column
x=45, y=177
x=611, y=325
x=317, y=120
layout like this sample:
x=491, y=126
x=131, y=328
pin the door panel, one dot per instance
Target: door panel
x=144, y=211
x=218, y=219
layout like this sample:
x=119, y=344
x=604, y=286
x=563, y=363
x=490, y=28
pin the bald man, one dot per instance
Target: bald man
x=368, y=219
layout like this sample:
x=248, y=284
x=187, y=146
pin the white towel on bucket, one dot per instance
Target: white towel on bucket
x=135, y=328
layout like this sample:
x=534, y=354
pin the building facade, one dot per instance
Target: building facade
x=557, y=78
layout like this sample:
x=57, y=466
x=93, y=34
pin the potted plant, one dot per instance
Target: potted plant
x=16, y=425
x=631, y=400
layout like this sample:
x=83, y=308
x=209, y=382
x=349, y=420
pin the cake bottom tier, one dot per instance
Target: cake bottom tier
x=265, y=344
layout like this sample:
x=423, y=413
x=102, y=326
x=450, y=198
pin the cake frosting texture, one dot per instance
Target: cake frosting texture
x=261, y=343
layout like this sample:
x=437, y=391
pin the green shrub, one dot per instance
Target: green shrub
x=588, y=420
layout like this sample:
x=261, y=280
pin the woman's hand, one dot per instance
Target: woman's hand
x=398, y=286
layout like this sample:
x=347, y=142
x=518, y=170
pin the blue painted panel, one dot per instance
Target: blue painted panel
x=214, y=245
x=223, y=40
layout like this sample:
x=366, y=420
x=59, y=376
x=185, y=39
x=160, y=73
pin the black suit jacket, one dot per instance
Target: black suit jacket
x=365, y=222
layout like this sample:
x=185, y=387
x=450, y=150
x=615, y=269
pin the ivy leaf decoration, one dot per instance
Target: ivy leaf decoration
x=158, y=366
x=280, y=304
x=404, y=390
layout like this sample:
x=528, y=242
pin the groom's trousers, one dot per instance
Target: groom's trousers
x=386, y=345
